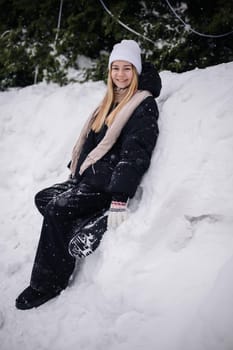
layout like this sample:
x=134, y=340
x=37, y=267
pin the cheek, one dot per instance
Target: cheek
x=113, y=75
x=130, y=76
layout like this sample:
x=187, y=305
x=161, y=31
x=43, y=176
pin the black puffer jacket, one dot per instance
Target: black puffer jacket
x=119, y=172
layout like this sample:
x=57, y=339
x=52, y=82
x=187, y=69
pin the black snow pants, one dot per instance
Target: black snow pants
x=61, y=206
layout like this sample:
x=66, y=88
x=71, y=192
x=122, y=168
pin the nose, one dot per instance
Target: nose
x=120, y=72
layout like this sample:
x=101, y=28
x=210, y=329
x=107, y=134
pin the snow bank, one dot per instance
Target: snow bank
x=163, y=280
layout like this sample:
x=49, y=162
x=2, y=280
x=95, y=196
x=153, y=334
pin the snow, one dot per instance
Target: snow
x=163, y=280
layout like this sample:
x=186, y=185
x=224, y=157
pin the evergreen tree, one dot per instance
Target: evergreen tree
x=28, y=28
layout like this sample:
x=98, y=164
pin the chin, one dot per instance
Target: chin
x=122, y=86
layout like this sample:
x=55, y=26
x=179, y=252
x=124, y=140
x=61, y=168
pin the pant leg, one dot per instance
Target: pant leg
x=43, y=197
x=53, y=264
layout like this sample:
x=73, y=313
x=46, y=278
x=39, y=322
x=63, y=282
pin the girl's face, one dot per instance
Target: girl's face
x=122, y=74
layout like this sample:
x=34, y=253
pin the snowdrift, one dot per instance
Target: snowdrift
x=163, y=280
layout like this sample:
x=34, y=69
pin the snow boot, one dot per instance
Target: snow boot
x=87, y=235
x=30, y=298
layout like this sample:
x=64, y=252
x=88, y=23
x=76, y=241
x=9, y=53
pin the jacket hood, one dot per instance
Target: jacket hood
x=149, y=79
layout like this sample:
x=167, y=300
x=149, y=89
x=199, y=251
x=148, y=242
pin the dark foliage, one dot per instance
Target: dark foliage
x=29, y=53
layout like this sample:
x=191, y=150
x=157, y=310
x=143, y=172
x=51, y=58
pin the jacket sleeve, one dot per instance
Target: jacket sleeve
x=138, y=141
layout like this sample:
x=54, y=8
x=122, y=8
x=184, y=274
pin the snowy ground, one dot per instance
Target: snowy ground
x=163, y=280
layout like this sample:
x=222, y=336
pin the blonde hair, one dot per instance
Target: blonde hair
x=102, y=112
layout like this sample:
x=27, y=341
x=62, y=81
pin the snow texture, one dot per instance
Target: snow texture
x=163, y=279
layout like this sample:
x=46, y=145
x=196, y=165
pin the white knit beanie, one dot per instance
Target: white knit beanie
x=127, y=50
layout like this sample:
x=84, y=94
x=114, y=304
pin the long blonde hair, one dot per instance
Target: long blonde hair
x=102, y=112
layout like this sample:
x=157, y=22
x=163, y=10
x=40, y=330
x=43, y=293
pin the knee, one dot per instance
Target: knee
x=39, y=201
x=51, y=209
x=54, y=209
